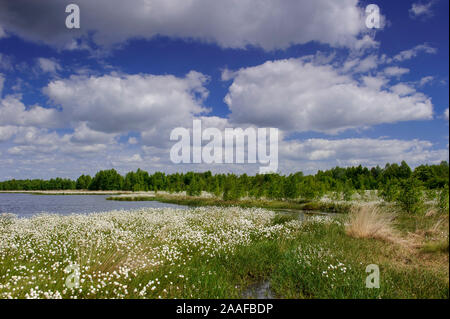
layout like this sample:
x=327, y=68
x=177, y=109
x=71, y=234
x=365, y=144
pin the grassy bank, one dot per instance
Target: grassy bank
x=243, y=203
x=217, y=252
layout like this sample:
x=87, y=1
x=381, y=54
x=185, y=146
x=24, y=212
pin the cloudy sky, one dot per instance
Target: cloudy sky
x=107, y=95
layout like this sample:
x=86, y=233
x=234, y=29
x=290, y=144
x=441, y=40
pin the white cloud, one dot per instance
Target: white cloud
x=366, y=64
x=84, y=135
x=365, y=43
x=402, y=89
x=48, y=65
x=446, y=114
x=227, y=75
x=5, y=62
x=412, y=53
x=425, y=80
x=129, y=159
x=357, y=65
x=297, y=96
x=14, y=112
x=374, y=82
x=2, y=81
x=122, y=103
x=324, y=153
x=421, y=10
x=395, y=71
x=6, y=132
x=132, y=141
x=32, y=141
x=231, y=24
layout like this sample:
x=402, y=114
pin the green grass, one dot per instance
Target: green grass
x=244, y=203
x=440, y=246
x=316, y=259
x=329, y=264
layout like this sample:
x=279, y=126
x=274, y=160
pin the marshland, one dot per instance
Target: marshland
x=314, y=239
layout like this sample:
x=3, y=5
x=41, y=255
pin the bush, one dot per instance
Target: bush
x=410, y=196
x=442, y=199
x=348, y=192
x=389, y=191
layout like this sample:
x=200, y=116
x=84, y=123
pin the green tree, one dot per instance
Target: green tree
x=107, y=180
x=410, y=195
x=230, y=190
x=83, y=182
x=389, y=191
x=348, y=190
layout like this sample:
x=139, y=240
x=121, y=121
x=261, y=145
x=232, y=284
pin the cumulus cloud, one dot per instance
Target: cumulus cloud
x=122, y=103
x=361, y=65
x=14, y=112
x=33, y=141
x=297, y=96
x=395, y=71
x=365, y=43
x=48, y=65
x=446, y=114
x=374, y=82
x=402, y=89
x=421, y=10
x=84, y=135
x=324, y=153
x=6, y=132
x=231, y=24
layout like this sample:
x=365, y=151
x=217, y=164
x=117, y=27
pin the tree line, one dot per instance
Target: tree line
x=274, y=186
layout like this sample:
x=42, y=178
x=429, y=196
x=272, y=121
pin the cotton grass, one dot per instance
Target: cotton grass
x=114, y=249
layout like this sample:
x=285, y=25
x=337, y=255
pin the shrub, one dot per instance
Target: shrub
x=389, y=191
x=410, y=196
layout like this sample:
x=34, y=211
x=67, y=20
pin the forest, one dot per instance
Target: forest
x=346, y=181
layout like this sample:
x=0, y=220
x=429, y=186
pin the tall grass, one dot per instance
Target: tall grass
x=211, y=252
x=369, y=222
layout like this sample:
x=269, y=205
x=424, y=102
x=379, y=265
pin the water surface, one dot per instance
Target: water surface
x=27, y=205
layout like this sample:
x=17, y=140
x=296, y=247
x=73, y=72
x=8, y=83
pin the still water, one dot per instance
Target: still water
x=27, y=205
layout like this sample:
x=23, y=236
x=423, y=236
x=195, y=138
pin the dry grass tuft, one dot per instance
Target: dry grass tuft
x=430, y=213
x=369, y=222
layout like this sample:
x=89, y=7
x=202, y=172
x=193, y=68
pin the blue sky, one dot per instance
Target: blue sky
x=108, y=95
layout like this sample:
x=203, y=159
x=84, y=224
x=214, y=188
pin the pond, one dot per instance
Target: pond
x=27, y=205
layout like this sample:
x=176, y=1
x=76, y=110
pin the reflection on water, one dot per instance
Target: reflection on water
x=260, y=290
x=27, y=205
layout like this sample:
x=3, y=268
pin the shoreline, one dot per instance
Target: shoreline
x=191, y=201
